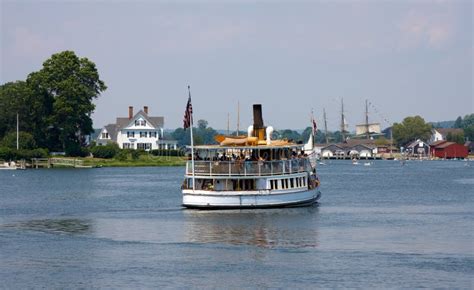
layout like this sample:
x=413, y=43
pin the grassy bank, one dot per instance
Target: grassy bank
x=143, y=160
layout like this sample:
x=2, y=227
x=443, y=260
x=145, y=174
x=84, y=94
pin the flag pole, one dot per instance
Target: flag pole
x=192, y=140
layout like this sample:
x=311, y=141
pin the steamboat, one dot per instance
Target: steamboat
x=250, y=171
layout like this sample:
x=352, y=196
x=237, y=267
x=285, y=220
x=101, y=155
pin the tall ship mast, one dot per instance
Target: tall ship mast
x=344, y=125
x=252, y=171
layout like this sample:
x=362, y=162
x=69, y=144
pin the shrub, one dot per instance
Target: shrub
x=167, y=152
x=106, y=151
x=75, y=150
x=26, y=140
x=13, y=154
x=122, y=155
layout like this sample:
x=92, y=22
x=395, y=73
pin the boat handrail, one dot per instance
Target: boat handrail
x=248, y=168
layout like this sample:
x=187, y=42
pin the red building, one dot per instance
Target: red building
x=444, y=149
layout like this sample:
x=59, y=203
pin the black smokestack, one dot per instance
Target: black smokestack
x=257, y=116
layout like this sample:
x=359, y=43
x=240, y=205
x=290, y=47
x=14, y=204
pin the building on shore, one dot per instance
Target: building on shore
x=137, y=131
x=448, y=150
x=441, y=134
x=418, y=148
x=354, y=148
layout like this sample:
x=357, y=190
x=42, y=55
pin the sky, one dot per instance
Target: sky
x=406, y=57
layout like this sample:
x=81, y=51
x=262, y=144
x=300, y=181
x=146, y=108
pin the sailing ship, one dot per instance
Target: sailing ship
x=253, y=171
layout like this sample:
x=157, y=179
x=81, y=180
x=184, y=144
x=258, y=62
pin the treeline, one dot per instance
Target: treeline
x=54, y=106
x=203, y=134
x=410, y=129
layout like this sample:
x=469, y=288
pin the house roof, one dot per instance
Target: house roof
x=112, y=130
x=436, y=143
x=414, y=143
x=369, y=143
x=446, y=131
x=444, y=145
x=123, y=122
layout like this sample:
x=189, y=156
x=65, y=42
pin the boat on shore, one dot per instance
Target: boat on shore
x=12, y=165
x=251, y=171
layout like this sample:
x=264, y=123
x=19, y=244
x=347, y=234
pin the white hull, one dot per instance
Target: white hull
x=249, y=199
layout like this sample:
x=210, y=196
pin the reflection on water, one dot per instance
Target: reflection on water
x=294, y=228
x=58, y=226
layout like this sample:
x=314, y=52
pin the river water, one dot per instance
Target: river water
x=384, y=225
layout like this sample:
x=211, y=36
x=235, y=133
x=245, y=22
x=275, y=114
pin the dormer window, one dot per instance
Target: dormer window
x=140, y=122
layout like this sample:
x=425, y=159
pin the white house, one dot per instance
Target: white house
x=139, y=131
x=440, y=134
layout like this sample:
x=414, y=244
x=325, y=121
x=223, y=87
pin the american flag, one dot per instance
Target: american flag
x=188, y=114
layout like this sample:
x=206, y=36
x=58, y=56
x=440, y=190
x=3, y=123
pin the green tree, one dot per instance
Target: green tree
x=25, y=140
x=66, y=87
x=15, y=98
x=202, y=124
x=290, y=135
x=410, y=129
x=455, y=137
x=458, y=123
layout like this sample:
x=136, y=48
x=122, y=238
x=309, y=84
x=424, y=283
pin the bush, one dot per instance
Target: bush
x=75, y=150
x=122, y=155
x=26, y=140
x=165, y=152
x=13, y=154
x=106, y=151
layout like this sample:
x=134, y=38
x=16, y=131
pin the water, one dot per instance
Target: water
x=384, y=225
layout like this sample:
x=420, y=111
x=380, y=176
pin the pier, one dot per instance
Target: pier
x=61, y=162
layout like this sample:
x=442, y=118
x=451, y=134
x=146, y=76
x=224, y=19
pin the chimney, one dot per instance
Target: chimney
x=130, y=112
x=258, y=128
x=257, y=116
x=145, y=109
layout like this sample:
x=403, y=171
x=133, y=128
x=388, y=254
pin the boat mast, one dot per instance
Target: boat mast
x=343, y=121
x=238, y=118
x=228, y=124
x=17, y=132
x=367, y=134
x=325, y=126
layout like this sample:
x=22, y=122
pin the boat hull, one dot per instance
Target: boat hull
x=249, y=200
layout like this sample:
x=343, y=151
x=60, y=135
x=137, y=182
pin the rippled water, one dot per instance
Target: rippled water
x=384, y=225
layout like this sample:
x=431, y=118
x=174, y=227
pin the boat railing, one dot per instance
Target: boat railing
x=248, y=168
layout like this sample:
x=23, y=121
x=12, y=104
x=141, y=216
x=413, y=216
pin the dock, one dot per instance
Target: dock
x=59, y=162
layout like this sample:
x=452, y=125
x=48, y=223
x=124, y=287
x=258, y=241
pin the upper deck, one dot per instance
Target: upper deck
x=247, y=168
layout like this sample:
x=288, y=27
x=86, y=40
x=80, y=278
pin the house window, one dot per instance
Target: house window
x=142, y=134
x=144, y=146
x=153, y=134
x=105, y=135
x=143, y=123
x=136, y=123
x=126, y=145
x=130, y=134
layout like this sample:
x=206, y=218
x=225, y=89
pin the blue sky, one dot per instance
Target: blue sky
x=407, y=57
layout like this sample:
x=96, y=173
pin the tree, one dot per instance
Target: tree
x=381, y=141
x=25, y=140
x=15, y=98
x=410, y=129
x=455, y=137
x=202, y=124
x=290, y=135
x=458, y=123
x=65, y=87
